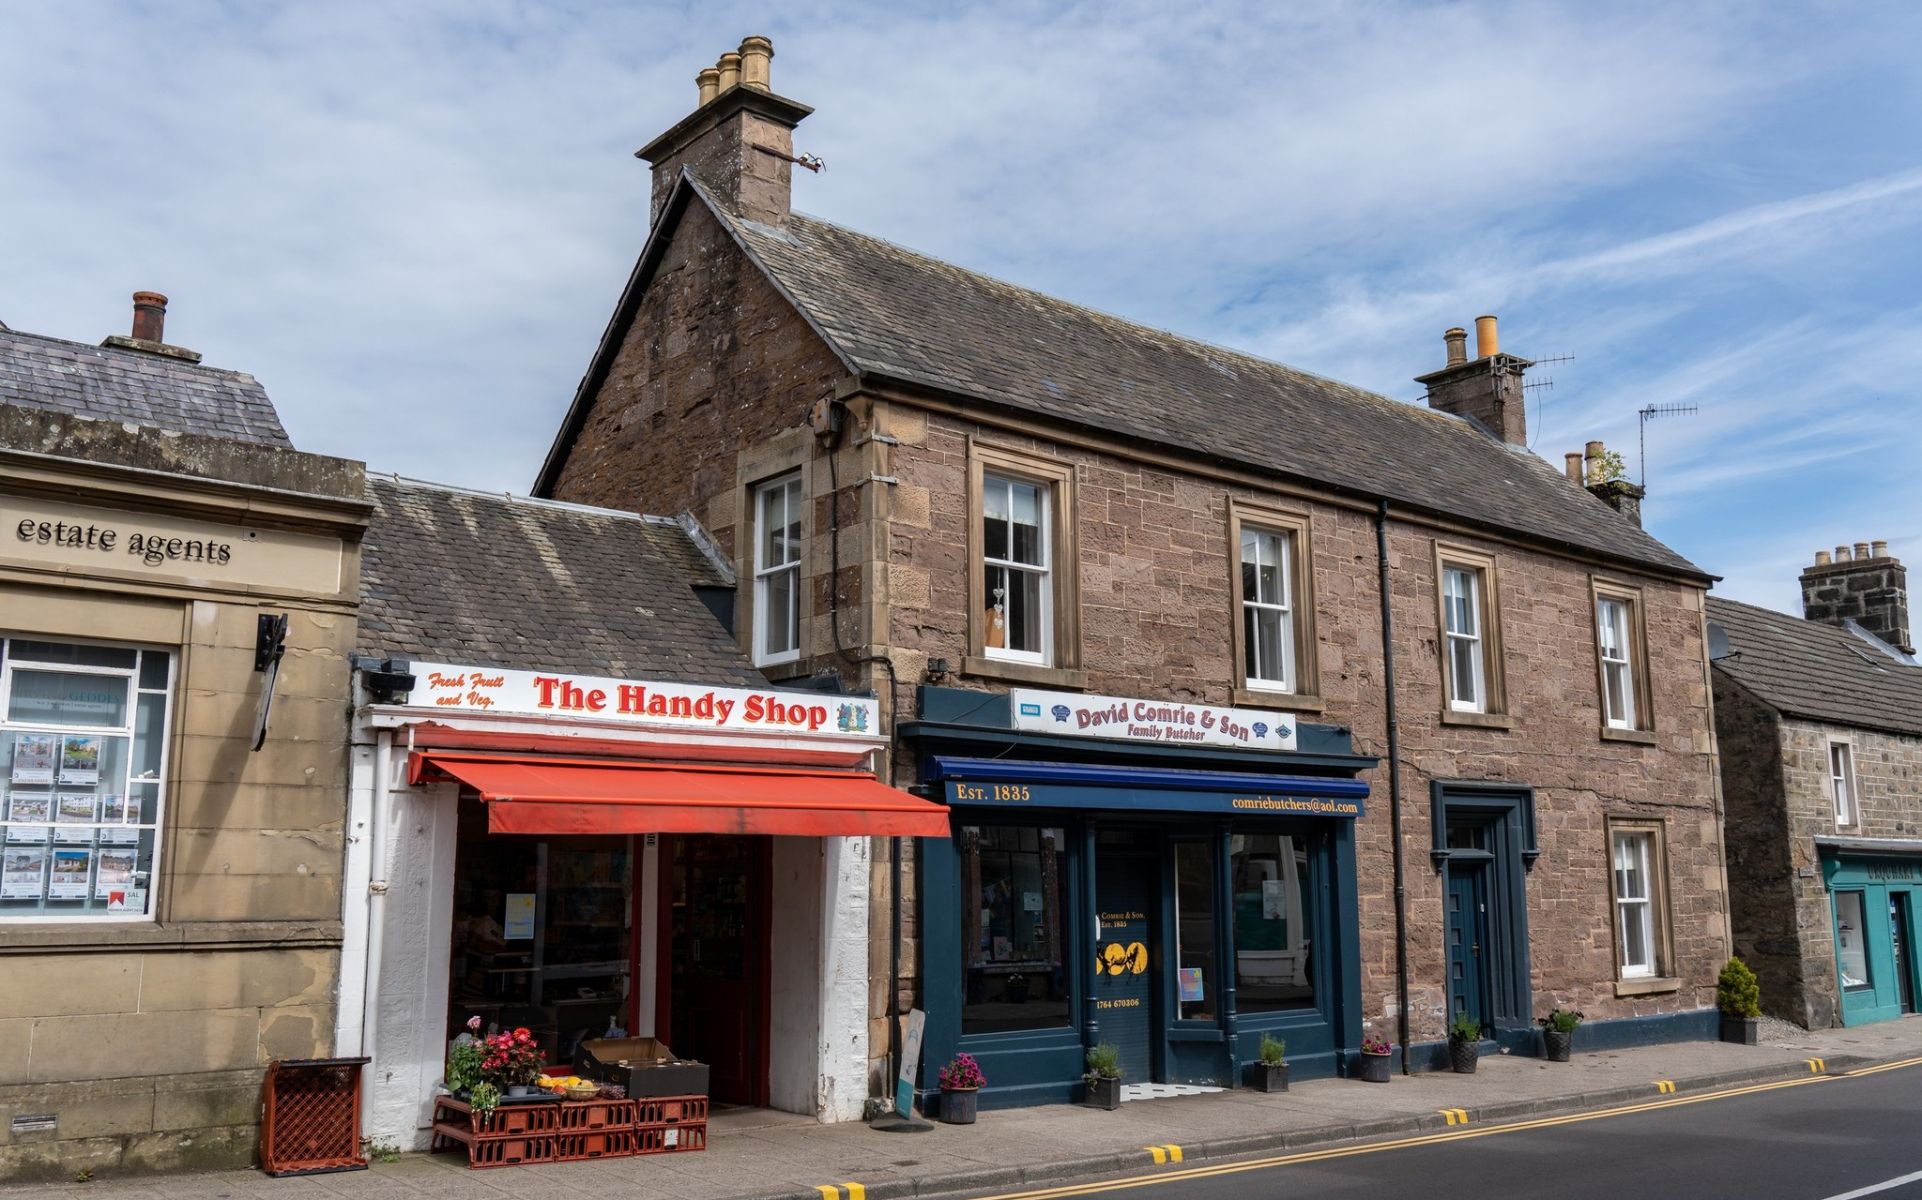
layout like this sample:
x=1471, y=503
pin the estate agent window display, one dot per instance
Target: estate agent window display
x=83, y=734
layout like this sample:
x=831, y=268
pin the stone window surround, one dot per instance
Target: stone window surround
x=1063, y=668
x=761, y=571
x=1494, y=714
x=1643, y=731
x=1847, y=742
x=782, y=455
x=1664, y=979
x=1299, y=526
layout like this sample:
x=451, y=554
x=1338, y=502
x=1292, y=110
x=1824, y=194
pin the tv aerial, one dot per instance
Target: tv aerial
x=1646, y=414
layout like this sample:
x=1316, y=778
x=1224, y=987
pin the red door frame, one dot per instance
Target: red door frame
x=762, y=864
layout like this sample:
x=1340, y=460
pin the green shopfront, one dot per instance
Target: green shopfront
x=1174, y=880
x=1875, y=887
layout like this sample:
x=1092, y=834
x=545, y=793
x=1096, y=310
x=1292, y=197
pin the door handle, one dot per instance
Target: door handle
x=1474, y=947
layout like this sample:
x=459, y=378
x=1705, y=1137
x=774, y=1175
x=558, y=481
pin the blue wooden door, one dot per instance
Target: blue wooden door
x=1467, y=935
x=1127, y=887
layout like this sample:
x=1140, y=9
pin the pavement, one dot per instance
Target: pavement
x=757, y=1155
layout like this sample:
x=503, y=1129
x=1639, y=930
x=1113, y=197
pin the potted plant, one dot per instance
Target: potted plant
x=1104, y=1077
x=1271, y=1073
x=961, y=1083
x=464, y=1061
x=1464, y=1043
x=1558, y=1032
x=512, y=1061
x=484, y=1098
x=1374, y=1059
x=1739, y=997
x=1017, y=988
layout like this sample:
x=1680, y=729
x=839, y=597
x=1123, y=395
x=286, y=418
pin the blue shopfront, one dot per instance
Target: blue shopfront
x=1174, y=880
x=1875, y=886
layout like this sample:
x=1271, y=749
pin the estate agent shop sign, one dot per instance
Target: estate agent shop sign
x=1152, y=720
x=636, y=702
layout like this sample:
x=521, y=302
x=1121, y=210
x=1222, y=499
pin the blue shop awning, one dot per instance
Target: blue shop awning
x=1014, y=783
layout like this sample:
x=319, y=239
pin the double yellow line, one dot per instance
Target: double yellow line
x=1429, y=1139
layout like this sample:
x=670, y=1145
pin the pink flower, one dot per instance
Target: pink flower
x=473, y=1024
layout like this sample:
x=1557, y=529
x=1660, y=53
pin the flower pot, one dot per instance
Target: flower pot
x=958, y=1105
x=1269, y=1077
x=1558, y=1044
x=1103, y=1093
x=520, y=1089
x=1374, y=1067
x=1462, y=1054
x=1740, y=1030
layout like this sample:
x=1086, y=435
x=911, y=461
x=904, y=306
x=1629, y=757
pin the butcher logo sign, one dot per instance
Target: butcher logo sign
x=1117, y=958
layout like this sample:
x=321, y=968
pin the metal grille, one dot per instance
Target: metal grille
x=310, y=1117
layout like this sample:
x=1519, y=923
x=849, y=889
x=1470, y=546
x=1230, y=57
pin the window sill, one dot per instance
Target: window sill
x=1646, y=987
x=1176, y=1033
x=1071, y=678
x=1478, y=720
x=192, y=935
x=1641, y=737
x=1248, y=697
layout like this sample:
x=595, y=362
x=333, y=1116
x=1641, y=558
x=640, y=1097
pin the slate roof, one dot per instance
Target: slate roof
x=896, y=315
x=135, y=387
x=1808, y=669
x=450, y=575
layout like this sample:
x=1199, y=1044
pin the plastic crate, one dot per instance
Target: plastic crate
x=579, y=1115
x=670, y=1110
x=600, y=1143
x=671, y=1139
x=508, y=1120
x=310, y=1117
x=514, y=1151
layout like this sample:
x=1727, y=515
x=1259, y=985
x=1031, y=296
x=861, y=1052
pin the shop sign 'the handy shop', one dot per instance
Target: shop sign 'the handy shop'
x=640, y=702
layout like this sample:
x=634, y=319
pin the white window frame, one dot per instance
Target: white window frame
x=1844, y=787
x=1475, y=637
x=765, y=572
x=1044, y=517
x=128, y=730
x=1284, y=540
x=1622, y=661
x=1635, y=908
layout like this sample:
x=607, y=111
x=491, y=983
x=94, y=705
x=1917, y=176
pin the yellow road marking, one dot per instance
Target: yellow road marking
x=1454, y=1116
x=1907, y=1062
x=1665, y=1086
x=1086, y=1189
x=828, y=1191
x=856, y=1191
x=1817, y=1066
x=1164, y=1154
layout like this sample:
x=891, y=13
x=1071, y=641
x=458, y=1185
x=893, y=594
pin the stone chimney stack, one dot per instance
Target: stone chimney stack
x=1590, y=469
x=738, y=141
x=1861, y=584
x=1487, y=388
x=150, y=330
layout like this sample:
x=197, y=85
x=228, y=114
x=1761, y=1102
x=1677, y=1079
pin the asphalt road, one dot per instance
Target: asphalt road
x=1829, y=1139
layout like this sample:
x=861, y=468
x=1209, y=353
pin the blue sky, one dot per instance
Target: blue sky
x=411, y=221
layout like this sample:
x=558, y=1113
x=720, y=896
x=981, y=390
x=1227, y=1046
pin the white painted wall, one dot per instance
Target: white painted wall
x=795, y=966
x=353, y=908
x=410, y=1025
x=842, y=1033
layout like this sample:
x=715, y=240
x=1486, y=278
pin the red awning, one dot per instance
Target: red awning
x=610, y=795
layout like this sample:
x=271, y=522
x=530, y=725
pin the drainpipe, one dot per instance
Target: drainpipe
x=376, y=887
x=1394, y=780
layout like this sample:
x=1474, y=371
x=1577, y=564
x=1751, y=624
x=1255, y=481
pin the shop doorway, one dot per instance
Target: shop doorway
x=1127, y=894
x=719, y=892
x=1902, y=935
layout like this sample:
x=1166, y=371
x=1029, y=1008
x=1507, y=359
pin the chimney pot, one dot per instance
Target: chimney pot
x=149, y=316
x=1863, y=586
x=1879, y=548
x=1821, y=558
x=1487, y=345
x=730, y=68
x=1572, y=464
x=756, y=51
x=1862, y=551
x=1841, y=554
x=1456, y=340
x=709, y=81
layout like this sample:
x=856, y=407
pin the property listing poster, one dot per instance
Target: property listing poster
x=23, y=872
x=80, y=761
x=33, y=757
x=70, y=871
x=73, y=816
x=29, y=806
x=111, y=877
x=115, y=815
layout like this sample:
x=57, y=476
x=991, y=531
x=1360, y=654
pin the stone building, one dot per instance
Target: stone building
x=178, y=589
x=1143, y=608
x=1820, y=725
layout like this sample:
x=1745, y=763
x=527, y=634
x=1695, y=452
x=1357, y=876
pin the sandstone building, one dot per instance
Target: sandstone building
x=1820, y=724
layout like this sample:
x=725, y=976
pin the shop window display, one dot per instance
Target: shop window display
x=1014, y=967
x=83, y=734
x=1274, y=960
x=1196, y=978
x=541, y=934
x=1851, y=940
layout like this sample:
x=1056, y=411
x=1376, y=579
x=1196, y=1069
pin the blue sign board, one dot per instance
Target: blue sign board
x=1251, y=802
